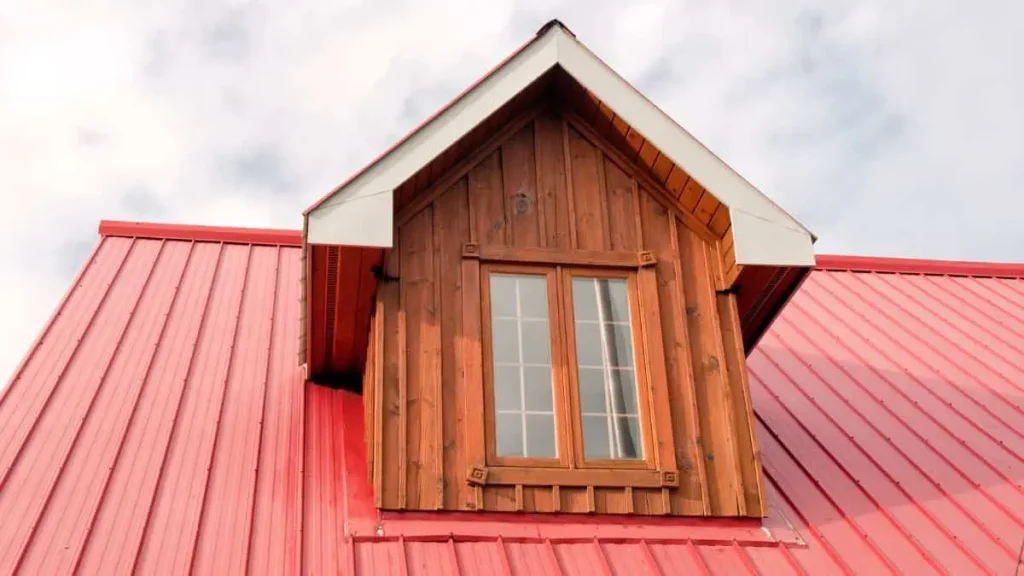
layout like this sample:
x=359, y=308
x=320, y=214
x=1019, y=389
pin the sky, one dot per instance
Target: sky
x=888, y=128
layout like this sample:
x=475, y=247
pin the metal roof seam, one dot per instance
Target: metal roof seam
x=80, y=424
x=197, y=533
x=850, y=521
x=263, y=411
x=885, y=406
x=79, y=553
x=973, y=339
x=970, y=374
x=939, y=374
x=990, y=317
x=57, y=312
x=994, y=293
x=884, y=512
x=175, y=430
x=916, y=504
x=969, y=319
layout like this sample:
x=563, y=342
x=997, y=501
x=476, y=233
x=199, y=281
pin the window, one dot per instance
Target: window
x=566, y=370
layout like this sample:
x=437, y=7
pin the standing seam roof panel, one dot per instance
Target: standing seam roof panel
x=160, y=424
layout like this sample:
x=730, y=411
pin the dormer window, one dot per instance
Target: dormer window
x=563, y=337
x=567, y=382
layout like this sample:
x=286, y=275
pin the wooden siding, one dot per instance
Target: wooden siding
x=553, y=183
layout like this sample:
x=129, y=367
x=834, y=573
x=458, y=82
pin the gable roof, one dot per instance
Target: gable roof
x=360, y=211
x=160, y=423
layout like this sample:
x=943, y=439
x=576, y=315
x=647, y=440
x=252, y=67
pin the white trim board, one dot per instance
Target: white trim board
x=360, y=213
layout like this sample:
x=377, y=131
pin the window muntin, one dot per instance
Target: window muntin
x=523, y=392
x=605, y=369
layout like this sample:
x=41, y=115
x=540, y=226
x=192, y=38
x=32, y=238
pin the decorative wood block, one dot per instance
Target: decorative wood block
x=477, y=475
x=647, y=258
x=670, y=478
x=470, y=250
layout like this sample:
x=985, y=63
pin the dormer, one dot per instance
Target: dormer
x=545, y=294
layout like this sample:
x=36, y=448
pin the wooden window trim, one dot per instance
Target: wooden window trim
x=488, y=365
x=549, y=257
x=639, y=356
x=596, y=477
x=658, y=467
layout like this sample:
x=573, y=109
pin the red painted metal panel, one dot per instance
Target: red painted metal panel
x=161, y=424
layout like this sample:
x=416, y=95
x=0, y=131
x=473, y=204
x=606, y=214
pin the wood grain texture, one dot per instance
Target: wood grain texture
x=553, y=193
x=659, y=228
x=423, y=351
x=452, y=230
x=586, y=194
x=714, y=399
x=553, y=199
x=518, y=170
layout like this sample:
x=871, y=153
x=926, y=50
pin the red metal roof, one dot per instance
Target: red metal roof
x=160, y=423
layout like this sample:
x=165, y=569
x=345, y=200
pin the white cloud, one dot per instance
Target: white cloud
x=887, y=129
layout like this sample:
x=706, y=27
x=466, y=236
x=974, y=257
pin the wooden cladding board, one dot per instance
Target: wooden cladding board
x=550, y=186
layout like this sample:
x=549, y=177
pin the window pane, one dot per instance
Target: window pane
x=584, y=299
x=506, y=388
x=505, y=341
x=588, y=344
x=538, y=389
x=533, y=297
x=605, y=369
x=540, y=436
x=524, y=419
x=621, y=354
x=618, y=298
x=509, y=431
x=503, y=296
x=536, y=342
x=592, y=387
x=595, y=437
x=627, y=382
x=627, y=437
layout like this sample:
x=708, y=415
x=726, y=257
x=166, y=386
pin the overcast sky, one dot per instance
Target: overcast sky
x=887, y=127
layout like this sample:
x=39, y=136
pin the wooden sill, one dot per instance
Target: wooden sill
x=595, y=258
x=603, y=478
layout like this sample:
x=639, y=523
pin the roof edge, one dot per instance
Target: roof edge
x=919, y=266
x=196, y=233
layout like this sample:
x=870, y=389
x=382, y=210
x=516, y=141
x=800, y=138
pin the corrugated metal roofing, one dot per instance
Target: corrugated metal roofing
x=160, y=425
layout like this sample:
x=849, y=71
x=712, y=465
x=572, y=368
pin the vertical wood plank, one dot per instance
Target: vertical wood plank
x=657, y=378
x=570, y=188
x=584, y=166
x=488, y=203
x=452, y=227
x=471, y=376
x=553, y=200
x=378, y=399
x=746, y=435
x=622, y=208
x=391, y=486
x=370, y=375
x=518, y=170
x=659, y=231
x=713, y=393
x=423, y=353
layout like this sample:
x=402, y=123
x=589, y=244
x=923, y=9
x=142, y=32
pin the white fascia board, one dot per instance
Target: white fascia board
x=761, y=242
x=787, y=240
x=333, y=221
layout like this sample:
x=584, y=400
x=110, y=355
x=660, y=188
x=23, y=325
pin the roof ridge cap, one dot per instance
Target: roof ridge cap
x=922, y=266
x=201, y=233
